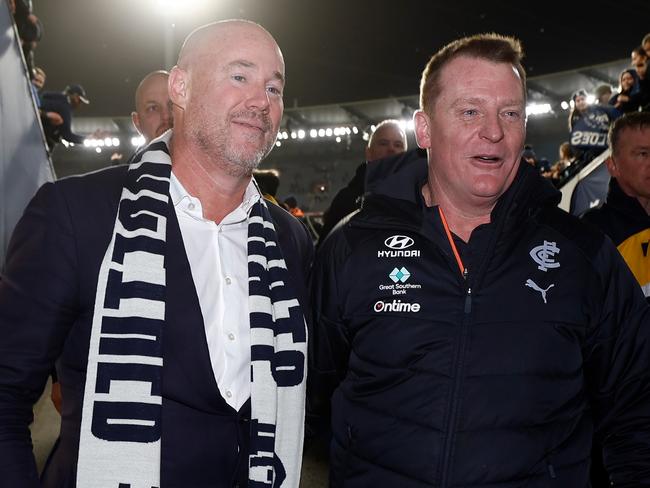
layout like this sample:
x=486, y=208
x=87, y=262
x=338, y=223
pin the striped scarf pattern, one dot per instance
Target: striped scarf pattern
x=121, y=431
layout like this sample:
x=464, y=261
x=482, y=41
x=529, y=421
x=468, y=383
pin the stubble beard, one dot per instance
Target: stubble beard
x=236, y=160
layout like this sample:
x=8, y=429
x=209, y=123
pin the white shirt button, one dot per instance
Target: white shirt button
x=191, y=206
x=228, y=280
x=231, y=336
x=228, y=393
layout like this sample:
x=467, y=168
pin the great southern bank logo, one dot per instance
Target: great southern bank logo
x=399, y=275
x=399, y=248
x=396, y=306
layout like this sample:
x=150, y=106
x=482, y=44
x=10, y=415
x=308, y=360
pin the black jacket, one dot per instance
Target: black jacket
x=47, y=298
x=625, y=221
x=346, y=201
x=496, y=380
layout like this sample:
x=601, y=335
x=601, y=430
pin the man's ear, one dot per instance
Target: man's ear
x=177, y=87
x=611, y=166
x=135, y=118
x=421, y=125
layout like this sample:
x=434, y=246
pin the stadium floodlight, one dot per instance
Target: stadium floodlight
x=116, y=142
x=137, y=141
x=591, y=99
x=564, y=105
x=174, y=8
x=338, y=139
x=313, y=133
x=86, y=142
x=321, y=132
x=538, y=109
x=301, y=134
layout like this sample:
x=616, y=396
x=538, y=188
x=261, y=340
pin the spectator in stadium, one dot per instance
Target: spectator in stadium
x=639, y=61
x=38, y=82
x=625, y=215
x=645, y=43
x=626, y=100
x=63, y=104
x=603, y=93
x=588, y=125
x=640, y=64
x=153, y=113
x=474, y=333
x=529, y=155
x=114, y=272
x=387, y=140
x=268, y=181
x=565, y=160
x=30, y=29
x=291, y=204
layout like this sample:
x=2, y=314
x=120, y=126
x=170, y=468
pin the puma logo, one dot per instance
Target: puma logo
x=531, y=284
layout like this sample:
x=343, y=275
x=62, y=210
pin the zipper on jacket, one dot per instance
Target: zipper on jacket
x=551, y=470
x=459, y=366
x=468, y=301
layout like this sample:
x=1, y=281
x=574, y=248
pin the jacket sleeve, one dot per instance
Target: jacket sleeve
x=329, y=345
x=38, y=293
x=617, y=369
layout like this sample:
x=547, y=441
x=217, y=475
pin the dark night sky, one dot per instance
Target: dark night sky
x=335, y=50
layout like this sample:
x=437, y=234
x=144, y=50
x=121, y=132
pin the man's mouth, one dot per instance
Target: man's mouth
x=487, y=158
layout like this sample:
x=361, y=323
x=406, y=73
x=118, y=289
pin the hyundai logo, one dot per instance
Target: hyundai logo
x=399, y=242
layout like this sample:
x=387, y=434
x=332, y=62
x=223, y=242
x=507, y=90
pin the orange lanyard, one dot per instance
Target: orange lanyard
x=451, y=242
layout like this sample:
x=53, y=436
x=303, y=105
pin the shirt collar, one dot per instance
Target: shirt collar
x=183, y=201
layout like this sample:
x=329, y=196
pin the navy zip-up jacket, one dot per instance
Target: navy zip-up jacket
x=499, y=378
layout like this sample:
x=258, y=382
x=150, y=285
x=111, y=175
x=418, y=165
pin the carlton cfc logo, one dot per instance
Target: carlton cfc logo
x=399, y=242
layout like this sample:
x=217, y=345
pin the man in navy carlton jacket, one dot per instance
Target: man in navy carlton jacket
x=475, y=334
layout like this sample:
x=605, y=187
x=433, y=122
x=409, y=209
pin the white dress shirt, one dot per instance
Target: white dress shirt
x=218, y=257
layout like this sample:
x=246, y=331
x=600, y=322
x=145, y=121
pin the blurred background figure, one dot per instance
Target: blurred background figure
x=387, y=140
x=588, y=125
x=62, y=104
x=291, y=204
x=603, y=93
x=627, y=99
x=152, y=115
x=268, y=181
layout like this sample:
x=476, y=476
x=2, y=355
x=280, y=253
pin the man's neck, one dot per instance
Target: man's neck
x=462, y=219
x=218, y=192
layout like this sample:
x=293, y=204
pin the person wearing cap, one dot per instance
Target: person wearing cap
x=588, y=125
x=63, y=104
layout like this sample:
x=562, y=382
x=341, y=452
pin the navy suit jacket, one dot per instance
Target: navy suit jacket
x=47, y=297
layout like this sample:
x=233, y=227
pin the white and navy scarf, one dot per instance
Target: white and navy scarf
x=121, y=421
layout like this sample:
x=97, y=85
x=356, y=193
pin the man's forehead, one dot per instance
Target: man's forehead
x=222, y=39
x=151, y=88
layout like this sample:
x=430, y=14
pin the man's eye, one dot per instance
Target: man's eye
x=239, y=77
x=470, y=112
x=152, y=108
x=274, y=90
